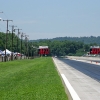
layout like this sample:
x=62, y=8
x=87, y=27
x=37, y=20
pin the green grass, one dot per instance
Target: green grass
x=35, y=79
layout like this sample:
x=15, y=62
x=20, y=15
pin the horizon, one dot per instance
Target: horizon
x=66, y=36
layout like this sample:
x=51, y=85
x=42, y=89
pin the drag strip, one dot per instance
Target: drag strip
x=83, y=77
x=92, y=70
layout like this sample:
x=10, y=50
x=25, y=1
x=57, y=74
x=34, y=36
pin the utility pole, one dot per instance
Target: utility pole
x=26, y=40
x=1, y=18
x=13, y=30
x=18, y=38
x=22, y=35
x=6, y=37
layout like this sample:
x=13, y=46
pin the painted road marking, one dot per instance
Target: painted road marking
x=70, y=88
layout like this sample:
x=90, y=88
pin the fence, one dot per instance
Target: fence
x=2, y=59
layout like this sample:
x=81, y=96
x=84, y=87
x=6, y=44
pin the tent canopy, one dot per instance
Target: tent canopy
x=7, y=51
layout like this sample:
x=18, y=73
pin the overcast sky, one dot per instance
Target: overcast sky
x=42, y=19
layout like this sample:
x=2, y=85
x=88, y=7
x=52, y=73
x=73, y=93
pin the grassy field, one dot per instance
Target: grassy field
x=29, y=79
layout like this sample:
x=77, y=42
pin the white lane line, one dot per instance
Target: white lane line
x=70, y=88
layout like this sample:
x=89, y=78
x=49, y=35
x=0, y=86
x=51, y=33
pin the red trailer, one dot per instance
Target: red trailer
x=43, y=50
x=94, y=50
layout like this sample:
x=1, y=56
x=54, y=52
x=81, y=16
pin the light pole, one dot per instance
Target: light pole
x=6, y=37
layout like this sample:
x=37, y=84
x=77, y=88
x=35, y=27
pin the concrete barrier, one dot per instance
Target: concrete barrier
x=83, y=58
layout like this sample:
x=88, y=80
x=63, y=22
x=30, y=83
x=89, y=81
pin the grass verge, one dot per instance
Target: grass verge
x=35, y=79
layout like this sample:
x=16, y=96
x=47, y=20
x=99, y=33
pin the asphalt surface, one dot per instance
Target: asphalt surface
x=83, y=77
x=90, y=70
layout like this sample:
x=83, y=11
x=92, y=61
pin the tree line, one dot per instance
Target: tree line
x=62, y=48
x=86, y=40
x=57, y=47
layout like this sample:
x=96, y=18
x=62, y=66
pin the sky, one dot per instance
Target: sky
x=46, y=19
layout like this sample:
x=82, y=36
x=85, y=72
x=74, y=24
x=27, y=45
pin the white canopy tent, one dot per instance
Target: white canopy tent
x=1, y=52
x=7, y=52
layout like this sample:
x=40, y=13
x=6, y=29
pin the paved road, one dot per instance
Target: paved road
x=84, y=77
